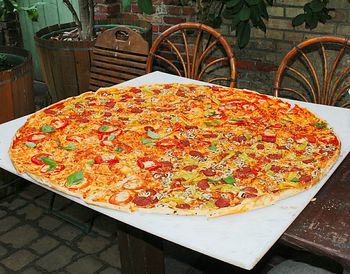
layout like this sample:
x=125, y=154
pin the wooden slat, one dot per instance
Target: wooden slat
x=6, y=109
x=121, y=55
x=68, y=73
x=104, y=84
x=82, y=61
x=114, y=60
x=104, y=78
x=135, y=72
x=112, y=73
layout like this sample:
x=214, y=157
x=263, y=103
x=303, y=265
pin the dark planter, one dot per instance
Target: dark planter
x=65, y=65
x=16, y=85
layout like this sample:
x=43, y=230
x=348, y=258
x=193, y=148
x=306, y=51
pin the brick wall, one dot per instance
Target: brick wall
x=270, y=47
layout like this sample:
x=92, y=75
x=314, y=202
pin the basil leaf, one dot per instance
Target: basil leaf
x=213, y=148
x=103, y=128
x=152, y=134
x=91, y=162
x=320, y=125
x=111, y=137
x=147, y=142
x=295, y=180
x=75, y=178
x=210, y=114
x=208, y=123
x=70, y=146
x=216, y=122
x=47, y=161
x=119, y=149
x=47, y=129
x=237, y=120
x=30, y=144
x=229, y=180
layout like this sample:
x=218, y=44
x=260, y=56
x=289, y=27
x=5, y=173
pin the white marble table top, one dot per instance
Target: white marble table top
x=240, y=239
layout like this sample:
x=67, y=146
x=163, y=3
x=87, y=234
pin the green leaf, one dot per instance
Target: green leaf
x=210, y=114
x=295, y=180
x=299, y=19
x=320, y=125
x=147, y=142
x=75, y=178
x=91, y=162
x=311, y=21
x=232, y=3
x=244, y=14
x=252, y=2
x=33, y=14
x=47, y=161
x=208, y=123
x=213, y=148
x=153, y=135
x=30, y=144
x=229, y=180
x=145, y=6
x=126, y=4
x=103, y=128
x=111, y=137
x=317, y=5
x=243, y=34
x=70, y=146
x=216, y=122
x=263, y=10
x=119, y=149
x=47, y=129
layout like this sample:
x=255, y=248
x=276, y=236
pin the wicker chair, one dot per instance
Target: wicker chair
x=194, y=51
x=119, y=54
x=316, y=71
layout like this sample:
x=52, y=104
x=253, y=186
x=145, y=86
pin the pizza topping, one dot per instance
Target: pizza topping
x=320, y=125
x=183, y=206
x=133, y=183
x=148, y=163
x=37, y=159
x=196, y=153
x=152, y=134
x=222, y=202
x=120, y=198
x=209, y=172
x=30, y=144
x=275, y=156
x=75, y=178
x=59, y=123
x=136, y=110
x=36, y=137
x=190, y=168
x=167, y=143
x=142, y=201
x=47, y=129
x=203, y=184
x=260, y=146
x=305, y=178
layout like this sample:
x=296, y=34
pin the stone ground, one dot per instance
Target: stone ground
x=32, y=240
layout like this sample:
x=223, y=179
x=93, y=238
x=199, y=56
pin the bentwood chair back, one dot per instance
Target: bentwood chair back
x=195, y=51
x=119, y=54
x=317, y=71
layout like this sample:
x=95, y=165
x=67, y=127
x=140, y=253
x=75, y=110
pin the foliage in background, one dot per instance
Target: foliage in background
x=8, y=7
x=245, y=14
x=4, y=63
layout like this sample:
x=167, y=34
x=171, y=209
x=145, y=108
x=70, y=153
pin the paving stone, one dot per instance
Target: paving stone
x=31, y=270
x=78, y=212
x=105, y=225
x=110, y=270
x=32, y=192
x=20, y=236
x=50, y=223
x=3, y=251
x=68, y=232
x=3, y=213
x=111, y=256
x=62, y=202
x=18, y=260
x=44, y=244
x=8, y=222
x=44, y=200
x=15, y=203
x=31, y=212
x=87, y=264
x=56, y=259
x=90, y=244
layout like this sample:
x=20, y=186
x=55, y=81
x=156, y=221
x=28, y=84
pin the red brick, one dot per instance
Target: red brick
x=172, y=20
x=155, y=28
x=100, y=17
x=171, y=2
x=174, y=10
x=130, y=16
x=163, y=28
x=188, y=10
x=111, y=9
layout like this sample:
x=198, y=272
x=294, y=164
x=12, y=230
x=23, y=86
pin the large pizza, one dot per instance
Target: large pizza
x=176, y=149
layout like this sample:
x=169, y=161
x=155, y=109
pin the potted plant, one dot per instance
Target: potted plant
x=64, y=50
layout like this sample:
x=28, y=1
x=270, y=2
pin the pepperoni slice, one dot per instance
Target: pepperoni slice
x=135, y=90
x=136, y=110
x=222, y=202
x=107, y=114
x=190, y=168
x=209, y=172
x=156, y=91
x=260, y=146
x=167, y=143
x=305, y=178
x=180, y=93
x=308, y=161
x=239, y=139
x=196, y=153
x=250, y=189
x=203, y=184
x=183, y=206
x=191, y=127
x=275, y=156
x=110, y=104
x=166, y=165
x=142, y=201
x=269, y=138
x=276, y=168
x=183, y=143
x=210, y=135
